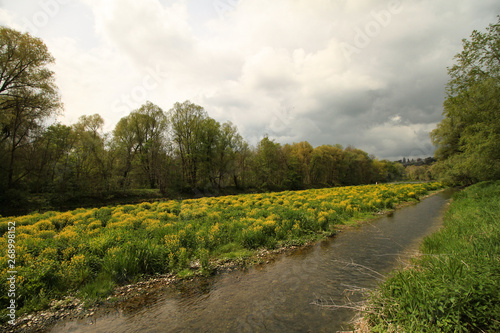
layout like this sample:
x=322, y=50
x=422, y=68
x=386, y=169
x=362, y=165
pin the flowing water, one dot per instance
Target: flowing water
x=294, y=293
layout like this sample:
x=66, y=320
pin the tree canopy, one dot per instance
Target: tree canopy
x=28, y=96
x=468, y=138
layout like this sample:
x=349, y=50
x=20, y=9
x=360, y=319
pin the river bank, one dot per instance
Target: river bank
x=71, y=307
x=454, y=284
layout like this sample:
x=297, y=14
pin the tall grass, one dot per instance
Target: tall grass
x=455, y=285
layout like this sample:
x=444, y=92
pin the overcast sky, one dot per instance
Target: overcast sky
x=365, y=73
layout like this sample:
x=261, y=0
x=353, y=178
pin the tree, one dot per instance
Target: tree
x=186, y=121
x=327, y=165
x=303, y=152
x=222, y=144
x=23, y=65
x=269, y=164
x=50, y=153
x=140, y=140
x=294, y=168
x=28, y=96
x=387, y=171
x=125, y=145
x=209, y=146
x=91, y=166
x=468, y=138
x=418, y=172
x=241, y=173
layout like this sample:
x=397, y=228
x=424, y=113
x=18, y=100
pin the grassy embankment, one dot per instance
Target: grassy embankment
x=87, y=252
x=454, y=286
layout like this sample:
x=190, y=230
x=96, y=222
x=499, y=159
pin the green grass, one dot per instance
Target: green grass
x=233, y=251
x=101, y=287
x=455, y=285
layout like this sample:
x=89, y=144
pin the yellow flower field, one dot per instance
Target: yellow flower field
x=84, y=249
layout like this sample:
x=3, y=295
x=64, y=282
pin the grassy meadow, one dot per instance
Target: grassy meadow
x=454, y=286
x=87, y=252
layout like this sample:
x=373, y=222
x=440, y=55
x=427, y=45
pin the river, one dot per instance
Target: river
x=293, y=293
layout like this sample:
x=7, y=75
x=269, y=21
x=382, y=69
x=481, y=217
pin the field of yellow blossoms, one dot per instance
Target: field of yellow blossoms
x=92, y=250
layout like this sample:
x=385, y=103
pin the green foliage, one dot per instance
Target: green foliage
x=139, y=141
x=419, y=172
x=468, y=138
x=233, y=251
x=455, y=285
x=186, y=120
x=100, y=287
x=28, y=96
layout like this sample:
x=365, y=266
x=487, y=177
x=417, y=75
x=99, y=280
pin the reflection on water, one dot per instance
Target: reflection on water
x=281, y=296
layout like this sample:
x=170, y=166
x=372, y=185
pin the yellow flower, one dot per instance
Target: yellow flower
x=323, y=217
x=68, y=252
x=151, y=224
x=95, y=224
x=49, y=253
x=44, y=225
x=172, y=241
x=68, y=233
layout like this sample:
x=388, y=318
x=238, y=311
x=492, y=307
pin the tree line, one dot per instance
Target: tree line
x=182, y=151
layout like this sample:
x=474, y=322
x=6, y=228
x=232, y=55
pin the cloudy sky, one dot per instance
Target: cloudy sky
x=367, y=73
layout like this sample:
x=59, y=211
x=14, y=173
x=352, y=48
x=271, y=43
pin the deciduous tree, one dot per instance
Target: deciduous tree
x=186, y=121
x=141, y=138
x=28, y=96
x=468, y=138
